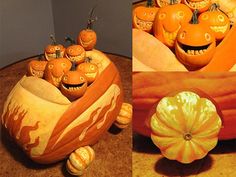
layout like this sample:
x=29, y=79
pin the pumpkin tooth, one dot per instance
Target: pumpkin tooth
x=196, y=52
x=200, y=51
x=192, y=52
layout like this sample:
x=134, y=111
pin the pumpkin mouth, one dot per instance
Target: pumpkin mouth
x=193, y=50
x=91, y=75
x=219, y=29
x=72, y=87
x=56, y=80
x=86, y=43
x=37, y=73
x=143, y=24
x=198, y=5
x=163, y=3
x=170, y=36
x=76, y=58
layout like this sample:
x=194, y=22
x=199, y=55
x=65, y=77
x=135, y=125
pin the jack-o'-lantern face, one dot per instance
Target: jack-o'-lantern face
x=75, y=53
x=73, y=84
x=195, y=45
x=55, y=69
x=143, y=17
x=90, y=70
x=217, y=21
x=169, y=20
x=87, y=39
x=200, y=5
x=36, y=68
x=162, y=3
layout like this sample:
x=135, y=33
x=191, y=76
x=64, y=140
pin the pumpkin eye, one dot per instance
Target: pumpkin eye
x=151, y=13
x=50, y=66
x=65, y=78
x=145, y=13
x=205, y=16
x=92, y=67
x=57, y=48
x=180, y=14
x=207, y=36
x=162, y=16
x=81, y=78
x=221, y=18
x=182, y=35
x=63, y=65
x=51, y=49
x=70, y=50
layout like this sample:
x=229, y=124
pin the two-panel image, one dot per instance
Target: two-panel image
x=129, y=88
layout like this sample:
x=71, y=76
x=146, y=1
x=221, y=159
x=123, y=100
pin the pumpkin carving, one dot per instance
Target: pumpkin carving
x=168, y=21
x=75, y=53
x=73, y=84
x=216, y=20
x=200, y=5
x=50, y=50
x=185, y=127
x=195, y=45
x=49, y=127
x=36, y=67
x=162, y=3
x=143, y=17
x=55, y=69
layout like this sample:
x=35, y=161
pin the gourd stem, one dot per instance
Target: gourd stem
x=73, y=67
x=214, y=7
x=58, y=53
x=149, y=3
x=69, y=39
x=88, y=59
x=53, y=40
x=187, y=136
x=91, y=20
x=172, y=2
x=194, y=17
x=40, y=57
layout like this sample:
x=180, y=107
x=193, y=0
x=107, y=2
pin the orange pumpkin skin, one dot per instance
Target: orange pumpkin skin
x=201, y=5
x=74, y=124
x=55, y=69
x=50, y=51
x=168, y=21
x=162, y=3
x=75, y=53
x=149, y=88
x=87, y=39
x=36, y=68
x=90, y=70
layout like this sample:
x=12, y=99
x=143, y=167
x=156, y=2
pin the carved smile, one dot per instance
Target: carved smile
x=75, y=58
x=221, y=29
x=73, y=87
x=53, y=55
x=170, y=36
x=37, y=73
x=199, y=4
x=194, y=50
x=86, y=43
x=145, y=25
x=91, y=75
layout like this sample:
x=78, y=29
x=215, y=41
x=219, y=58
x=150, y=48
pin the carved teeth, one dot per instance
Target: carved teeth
x=221, y=29
x=37, y=73
x=170, y=36
x=196, y=52
x=198, y=5
x=145, y=25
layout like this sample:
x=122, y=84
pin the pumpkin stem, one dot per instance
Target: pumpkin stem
x=53, y=40
x=187, y=136
x=69, y=39
x=91, y=20
x=88, y=59
x=58, y=53
x=214, y=7
x=73, y=67
x=149, y=3
x=172, y=2
x=194, y=17
x=40, y=57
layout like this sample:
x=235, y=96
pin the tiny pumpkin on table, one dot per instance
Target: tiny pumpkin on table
x=36, y=67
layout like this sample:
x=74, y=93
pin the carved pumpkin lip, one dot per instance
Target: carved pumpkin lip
x=162, y=3
x=170, y=36
x=143, y=24
x=193, y=50
x=72, y=87
x=56, y=80
x=37, y=72
x=198, y=4
x=85, y=43
x=75, y=58
x=91, y=75
x=53, y=55
x=219, y=29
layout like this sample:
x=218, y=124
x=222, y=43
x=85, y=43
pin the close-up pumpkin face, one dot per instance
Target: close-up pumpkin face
x=55, y=69
x=185, y=126
x=169, y=20
x=217, y=21
x=162, y=3
x=200, y=5
x=36, y=68
x=87, y=39
x=75, y=53
x=143, y=17
x=90, y=70
x=195, y=45
x=73, y=84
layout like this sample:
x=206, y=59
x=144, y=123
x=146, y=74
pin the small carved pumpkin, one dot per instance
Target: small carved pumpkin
x=75, y=53
x=216, y=20
x=36, y=67
x=73, y=84
x=162, y=3
x=168, y=21
x=125, y=116
x=79, y=160
x=195, y=44
x=185, y=127
x=55, y=69
x=50, y=50
x=143, y=17
x=90, y=70
x=200, y=5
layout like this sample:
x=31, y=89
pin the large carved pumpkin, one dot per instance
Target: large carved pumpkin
x=49, y=127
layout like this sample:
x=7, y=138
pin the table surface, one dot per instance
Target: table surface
x=113, y=151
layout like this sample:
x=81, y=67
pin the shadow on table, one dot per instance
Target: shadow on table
x=224, y=147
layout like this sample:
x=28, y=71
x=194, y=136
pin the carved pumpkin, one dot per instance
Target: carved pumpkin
x=73, y=84
x=50, y=50
x=49, y=127
x=79, y=160
x=217, y=21
x=89, y=69
x=125, y=116
x=143, y=17
x=200, y=5
x=36, y=67
x=162, y=3
x=185, y=127
x=195, y=44
x=168, y=21
x=55, y=69
x=75, y=53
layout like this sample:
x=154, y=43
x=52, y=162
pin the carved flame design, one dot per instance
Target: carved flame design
x=12, y=121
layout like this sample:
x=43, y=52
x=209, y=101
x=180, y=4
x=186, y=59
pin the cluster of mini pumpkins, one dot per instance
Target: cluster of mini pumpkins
x=191, y=28
x=68, y=68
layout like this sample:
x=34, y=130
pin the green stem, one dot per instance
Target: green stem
x=73, y=67
x=172, y=2
x=88, y=59
x=69, y=39
x=214, y=7
x=53, y=40
x=91, y=20
x=58, y=53
x=149, y=3
x=194, y=17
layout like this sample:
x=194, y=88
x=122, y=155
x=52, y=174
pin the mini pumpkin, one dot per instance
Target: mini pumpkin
x=79, y=160
x=195, y=44
x=50, y=50
x=125, y=116
x=73, y=84
x=162, y=3
x=143, y=16
x=200, y=5
x=185, y=127
x=75, y=53
x=55, y=69
x=36, y=67
x=90, y=70
x=216, y=20
x=87, y=38
x=169, y=20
